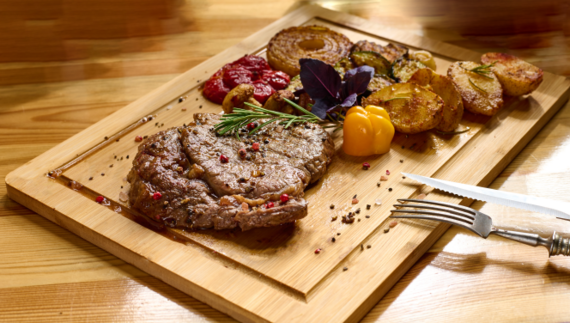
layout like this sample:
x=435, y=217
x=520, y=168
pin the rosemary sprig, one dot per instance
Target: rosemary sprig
x=475, y=85
x=482, y=70
x=232, y=123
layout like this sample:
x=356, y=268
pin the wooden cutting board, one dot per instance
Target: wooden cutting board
x=273, y=274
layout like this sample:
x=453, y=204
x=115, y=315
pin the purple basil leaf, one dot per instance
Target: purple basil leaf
x=349, y=101
x=319, y=79
x=321, y=107
x=356, y=80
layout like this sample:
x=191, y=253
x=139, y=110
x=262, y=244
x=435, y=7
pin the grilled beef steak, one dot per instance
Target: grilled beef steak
x=180, y=176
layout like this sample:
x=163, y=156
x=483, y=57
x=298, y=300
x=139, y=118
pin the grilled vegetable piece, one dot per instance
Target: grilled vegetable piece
x=444, y=87
x=378, y=82
x=481, y=92
x=373, y=59
x=344, y=65
x=516, y=76
x=424, y=57
x=412, y=108
x=403, y=69
x=394, y=52
x=295, y=84
x=391, y=52
x=237, y=96
x=289, y=45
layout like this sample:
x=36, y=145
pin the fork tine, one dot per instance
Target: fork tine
x=439, y=215
x=453, y=206
x=434, y=218
x=461, y=213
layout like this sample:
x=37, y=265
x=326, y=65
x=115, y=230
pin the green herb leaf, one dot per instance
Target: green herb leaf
x=475, y=85
x=481, y=70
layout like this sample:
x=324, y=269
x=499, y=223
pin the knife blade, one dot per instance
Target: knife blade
x=558, y=209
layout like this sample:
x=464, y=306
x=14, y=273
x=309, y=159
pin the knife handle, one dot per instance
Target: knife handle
x=559, y=245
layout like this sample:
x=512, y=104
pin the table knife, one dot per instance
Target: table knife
x=558, y=209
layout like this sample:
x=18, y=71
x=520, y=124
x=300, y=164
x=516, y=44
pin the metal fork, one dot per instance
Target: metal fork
x=477, y=222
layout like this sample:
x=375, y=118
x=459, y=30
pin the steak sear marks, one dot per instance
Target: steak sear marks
x=199, y=191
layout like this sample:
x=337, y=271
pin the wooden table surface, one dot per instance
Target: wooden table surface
x=64, y=65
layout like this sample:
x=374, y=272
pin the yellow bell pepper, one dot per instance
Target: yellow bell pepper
x=367, y=131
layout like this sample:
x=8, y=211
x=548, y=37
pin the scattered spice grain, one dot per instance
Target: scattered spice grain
x=390, y=189
x=386, y=230
x=345, y=269
x=332, y=206
x=393, y=224
x=368, y=206
x=318, y=251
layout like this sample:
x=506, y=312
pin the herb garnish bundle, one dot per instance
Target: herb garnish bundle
x=482, y=70
x=232, y=123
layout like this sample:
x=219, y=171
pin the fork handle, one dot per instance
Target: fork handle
x=556, y=245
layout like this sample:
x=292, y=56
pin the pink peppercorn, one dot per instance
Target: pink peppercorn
x=99, y=199
x=255, y=146
x=365, y=165
x=224, y=159
x=251, y=126
x=284, y=198
x=269, y=205
x=317, y=251
x=242, y=153
x=156, y=196
x=138, y=138
x=387, y=172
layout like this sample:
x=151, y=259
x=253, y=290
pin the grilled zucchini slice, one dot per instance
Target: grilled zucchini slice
x=516, y=76
x=379, y=82
x=372, y=59
x=403, y=69
x=412, y=108
x=342, y=66
x=481, y=94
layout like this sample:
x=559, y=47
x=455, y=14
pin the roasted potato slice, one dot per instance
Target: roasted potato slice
x=238, y=96
x=403, y=69
x=444, y=87
x=373, y=59
x=276, y=102
x=412, y=108
x=379, y=82
x=481, y=94
x=516, y=76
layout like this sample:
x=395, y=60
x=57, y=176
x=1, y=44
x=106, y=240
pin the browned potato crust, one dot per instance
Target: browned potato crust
x=444, y=87
x=411, y=107
x=480, y=94
x=237, y=96
x=516, y=76
x=276, y=102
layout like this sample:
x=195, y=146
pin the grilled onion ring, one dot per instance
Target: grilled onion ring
x=289, y=45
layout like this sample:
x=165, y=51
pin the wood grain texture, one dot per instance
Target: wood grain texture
x=549, y=149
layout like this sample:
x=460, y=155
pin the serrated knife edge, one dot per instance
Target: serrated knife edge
x=558, y=209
